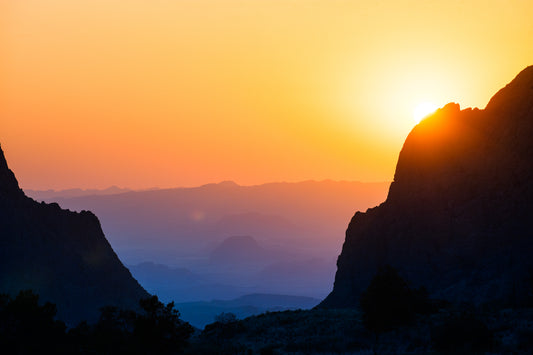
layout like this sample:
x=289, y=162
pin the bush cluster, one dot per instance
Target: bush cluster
x=29, y=328
x=389, y=302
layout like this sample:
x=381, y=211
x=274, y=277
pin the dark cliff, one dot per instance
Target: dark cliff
x=62, y=255
x=458, y=218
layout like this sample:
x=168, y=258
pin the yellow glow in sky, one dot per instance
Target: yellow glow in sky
x=138, y=93
x=423, y=110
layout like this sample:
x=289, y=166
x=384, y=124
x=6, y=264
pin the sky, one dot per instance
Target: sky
x=164, y=93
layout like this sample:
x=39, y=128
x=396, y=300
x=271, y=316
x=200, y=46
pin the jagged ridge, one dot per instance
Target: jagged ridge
x=62, y=255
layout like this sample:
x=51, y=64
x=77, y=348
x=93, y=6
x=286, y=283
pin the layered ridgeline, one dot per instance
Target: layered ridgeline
x=62, y=255
x=458, y=218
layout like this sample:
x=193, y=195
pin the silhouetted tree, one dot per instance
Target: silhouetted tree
x=156, y=329
x=387, y=302
x=222, y=331
x=27, y=327
x=112, y=332
x=159, y=328
x=225, y=318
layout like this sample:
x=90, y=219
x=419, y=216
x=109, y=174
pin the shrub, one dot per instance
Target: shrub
x=225, y=318
x=388, y=302
x=27, y=327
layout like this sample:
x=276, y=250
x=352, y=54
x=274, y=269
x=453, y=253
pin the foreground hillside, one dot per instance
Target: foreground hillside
x=458, y=218
x=62, y=255
x=328, y=331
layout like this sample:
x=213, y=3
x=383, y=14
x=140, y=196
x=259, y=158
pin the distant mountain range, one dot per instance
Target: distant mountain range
x=285, y=224
x=238, y=266
x=244, y=252
x=161, y=225
x=201, y=313
x=61, y=255
x=42, y=195
x=458, y=218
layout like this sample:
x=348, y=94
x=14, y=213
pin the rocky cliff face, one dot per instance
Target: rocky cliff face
x=62, y=255
x=458, y=218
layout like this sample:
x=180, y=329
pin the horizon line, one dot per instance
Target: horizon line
x=222, y=182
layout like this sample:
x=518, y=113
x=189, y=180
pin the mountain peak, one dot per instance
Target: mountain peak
x=3, y=162
x=458, y=218
x=228, y=184
x=517, y=95
x=450, y=107
x=9, y=187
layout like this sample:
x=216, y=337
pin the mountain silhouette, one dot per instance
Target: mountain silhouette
x=42, y=195
x=458, y=218
x=241, y=251
x=61, y=255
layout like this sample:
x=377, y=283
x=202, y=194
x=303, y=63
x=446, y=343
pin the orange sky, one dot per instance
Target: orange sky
x=167, y=93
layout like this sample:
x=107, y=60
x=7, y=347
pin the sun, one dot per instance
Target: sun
x=423, y=109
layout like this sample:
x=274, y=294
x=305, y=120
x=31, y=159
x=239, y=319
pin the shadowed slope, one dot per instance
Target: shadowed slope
x=62, y=255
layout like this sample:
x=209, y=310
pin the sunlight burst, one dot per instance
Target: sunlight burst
x=422, y=110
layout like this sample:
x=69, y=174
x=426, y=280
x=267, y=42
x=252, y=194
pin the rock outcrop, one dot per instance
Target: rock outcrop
x=61, y=255
x=458, y=218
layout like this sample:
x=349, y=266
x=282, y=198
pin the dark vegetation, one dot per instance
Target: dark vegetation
x=29, y=328
x=393, y=318
x=389, y=302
